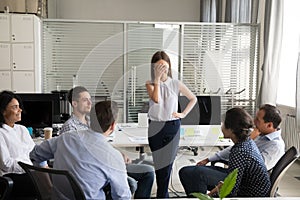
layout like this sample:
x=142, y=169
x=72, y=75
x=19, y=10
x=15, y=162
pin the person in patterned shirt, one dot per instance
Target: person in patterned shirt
x=80, y=100
x=140, y=176
x=253, y=178
x=266, y=135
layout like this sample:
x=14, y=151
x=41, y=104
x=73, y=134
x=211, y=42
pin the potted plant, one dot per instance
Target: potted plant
x=225, y=190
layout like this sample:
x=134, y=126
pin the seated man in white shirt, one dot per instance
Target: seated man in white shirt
x=88, y=156
x=267, y=137
x=80, y=100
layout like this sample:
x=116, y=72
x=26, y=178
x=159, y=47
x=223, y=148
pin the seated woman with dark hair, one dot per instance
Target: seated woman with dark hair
x=252, y=180
x=15, y=145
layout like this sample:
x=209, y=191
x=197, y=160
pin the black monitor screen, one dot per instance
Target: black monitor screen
x=37, y=114
x=40, y=110
x=207, y=111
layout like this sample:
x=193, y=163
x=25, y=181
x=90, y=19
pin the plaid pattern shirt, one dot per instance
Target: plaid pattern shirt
x=74, y=124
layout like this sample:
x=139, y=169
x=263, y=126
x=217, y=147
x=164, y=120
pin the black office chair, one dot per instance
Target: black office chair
x=53, y=184
x=6, y=185
x=278, y=171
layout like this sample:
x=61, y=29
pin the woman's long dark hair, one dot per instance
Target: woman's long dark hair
x=160, y=55
x=240, y=122
x=5, y=98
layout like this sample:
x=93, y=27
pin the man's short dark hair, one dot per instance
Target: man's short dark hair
x=272, y=114
x=103, y=114
x=73, y=94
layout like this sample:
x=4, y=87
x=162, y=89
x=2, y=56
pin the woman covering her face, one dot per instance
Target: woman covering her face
x=164, y=124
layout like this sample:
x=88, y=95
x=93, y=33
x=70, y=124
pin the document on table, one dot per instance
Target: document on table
x=139, y=140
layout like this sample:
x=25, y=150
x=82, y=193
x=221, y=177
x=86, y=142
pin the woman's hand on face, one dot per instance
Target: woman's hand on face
x=159, y=70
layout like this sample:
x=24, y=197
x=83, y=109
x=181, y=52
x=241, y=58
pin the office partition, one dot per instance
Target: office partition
x=112, y=58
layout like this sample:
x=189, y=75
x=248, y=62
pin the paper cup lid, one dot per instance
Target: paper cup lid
x=48, y=129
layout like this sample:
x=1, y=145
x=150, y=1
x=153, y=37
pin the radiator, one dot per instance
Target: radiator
x=289, y=132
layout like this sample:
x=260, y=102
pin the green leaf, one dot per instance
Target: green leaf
x=201, y=196
x=228, y=184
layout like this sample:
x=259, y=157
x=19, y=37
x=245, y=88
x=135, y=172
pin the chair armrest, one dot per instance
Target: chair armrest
x=6, y=185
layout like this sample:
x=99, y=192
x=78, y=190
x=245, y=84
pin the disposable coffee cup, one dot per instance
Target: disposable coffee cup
x=48, y=133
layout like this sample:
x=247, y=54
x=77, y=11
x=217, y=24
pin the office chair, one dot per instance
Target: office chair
x=278, y=171
x=6, y=185
x=53, y=184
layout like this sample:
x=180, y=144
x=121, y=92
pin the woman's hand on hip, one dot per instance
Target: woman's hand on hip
x=178, y=115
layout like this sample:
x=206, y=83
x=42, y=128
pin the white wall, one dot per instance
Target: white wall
x=136, y=10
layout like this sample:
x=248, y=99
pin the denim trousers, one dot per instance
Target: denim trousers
x=163, y=140
x=201, y=178
x=144, y=176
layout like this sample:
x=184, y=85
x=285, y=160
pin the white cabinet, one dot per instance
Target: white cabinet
x=5, y=56
x=23, y=81
x=22, y=28
x=23, y=56
x=4, y=24
x=5, y=80
x=20, y=65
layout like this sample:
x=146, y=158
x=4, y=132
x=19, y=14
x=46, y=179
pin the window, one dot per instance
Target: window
x=112, y=59
x=289, y=53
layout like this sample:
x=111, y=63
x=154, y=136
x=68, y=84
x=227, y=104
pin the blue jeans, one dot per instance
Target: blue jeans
x=144, y=175
x=201, y=178
x=163, y=140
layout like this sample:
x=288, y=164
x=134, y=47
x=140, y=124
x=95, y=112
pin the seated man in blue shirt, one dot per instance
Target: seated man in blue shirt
x=269, y=143
x=80, y=100
x=267, y=137
x=252, y=180
x=88, y=156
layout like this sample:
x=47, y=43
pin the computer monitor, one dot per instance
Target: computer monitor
x=207, y=110
x=40, y=110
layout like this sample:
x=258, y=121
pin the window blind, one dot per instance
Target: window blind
x=112, y=59
x=87, y=53
x=143, y=41
x=222, y=59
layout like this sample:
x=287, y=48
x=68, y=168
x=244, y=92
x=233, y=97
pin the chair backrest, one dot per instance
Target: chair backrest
x=53, y=184
x=290, y=156
x=6, y=184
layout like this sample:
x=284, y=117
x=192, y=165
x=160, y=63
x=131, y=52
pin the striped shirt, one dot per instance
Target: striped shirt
x=74, y=124
x=90, y=158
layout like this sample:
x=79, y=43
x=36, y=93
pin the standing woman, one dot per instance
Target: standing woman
x=15, y=145
x=164, y=124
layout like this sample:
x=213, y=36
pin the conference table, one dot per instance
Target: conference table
x=132, y=135
x=191, y=137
